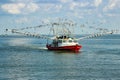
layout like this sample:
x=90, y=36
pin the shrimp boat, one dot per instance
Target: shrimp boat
x=63, y=37
x=64, y=42
x=62, y=32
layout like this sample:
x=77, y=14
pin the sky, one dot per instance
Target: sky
x=26, y=13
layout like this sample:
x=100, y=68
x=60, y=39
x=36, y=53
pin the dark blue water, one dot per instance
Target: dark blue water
x=25, y=58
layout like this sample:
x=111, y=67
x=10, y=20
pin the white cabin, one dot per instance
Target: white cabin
x=64, y=41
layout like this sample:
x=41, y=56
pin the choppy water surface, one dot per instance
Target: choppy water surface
x=25, y=58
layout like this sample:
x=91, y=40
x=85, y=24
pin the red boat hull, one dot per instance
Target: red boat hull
x=71, y=48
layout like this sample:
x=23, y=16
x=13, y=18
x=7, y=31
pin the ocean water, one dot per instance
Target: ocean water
x=26, y=58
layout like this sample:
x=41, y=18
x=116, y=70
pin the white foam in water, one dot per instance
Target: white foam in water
x=35, y=47
x=42, y=48
x=18, y=42
x=25, y=43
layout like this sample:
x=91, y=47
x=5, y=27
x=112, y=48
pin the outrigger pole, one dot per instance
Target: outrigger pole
x=27, y=34
x=97, y=35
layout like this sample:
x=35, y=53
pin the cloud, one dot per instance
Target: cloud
x=73, y=5
x=23, y=1
x=97, y=2
x=22, y=20
x=58, y=7
x=78, y=5
x=112, y=14
x=113, y=4
x=13, y=8
x=32, y=7
x=85, y=4
x=49, y=7
x=19, y=8
x=66, y=1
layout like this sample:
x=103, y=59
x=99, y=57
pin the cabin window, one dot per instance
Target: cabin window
x=70, y=40
x=64, y=41
x=59, y=41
